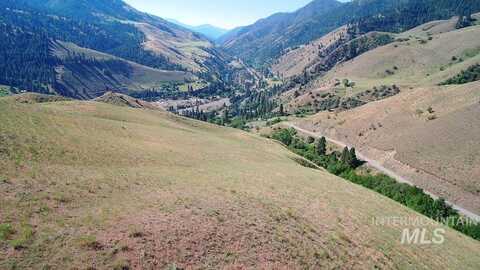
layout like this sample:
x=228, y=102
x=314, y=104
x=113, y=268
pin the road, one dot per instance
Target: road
x=375, y=164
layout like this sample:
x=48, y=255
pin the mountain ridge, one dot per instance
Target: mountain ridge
x=211, y=31
x=260, y=43
x=110, y=27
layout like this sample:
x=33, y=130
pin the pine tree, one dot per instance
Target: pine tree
x=353, y=161
x=225, y=117
x=345, y=156
x=321, y=146
x=282, y=113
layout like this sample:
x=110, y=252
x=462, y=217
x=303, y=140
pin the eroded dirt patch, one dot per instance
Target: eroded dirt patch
x=239, y=236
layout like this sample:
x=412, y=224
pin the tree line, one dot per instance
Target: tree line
x=344, y=164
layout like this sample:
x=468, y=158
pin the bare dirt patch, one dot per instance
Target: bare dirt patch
x=234, y=235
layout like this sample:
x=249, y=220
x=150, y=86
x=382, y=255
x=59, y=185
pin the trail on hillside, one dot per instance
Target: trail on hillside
x=375, y=164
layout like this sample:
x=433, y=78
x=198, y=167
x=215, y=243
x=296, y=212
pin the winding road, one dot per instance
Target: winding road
x=375, y=164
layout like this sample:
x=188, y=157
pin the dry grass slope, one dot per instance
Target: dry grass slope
x=427, y=133
x=92, y=185
x=414, y=60
x=183, y=48
x=294, y=62
x=86, y=80
x=126, y=101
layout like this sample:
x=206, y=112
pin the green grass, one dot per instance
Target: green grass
x=470, y=53
x=23, y=237
x=194, y=86
x=6, y=230
x=271, y=82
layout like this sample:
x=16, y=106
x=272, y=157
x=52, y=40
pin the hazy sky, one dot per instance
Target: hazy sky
x=223, y=13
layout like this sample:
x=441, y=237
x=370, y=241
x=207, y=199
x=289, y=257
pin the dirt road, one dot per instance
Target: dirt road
x=375, y=164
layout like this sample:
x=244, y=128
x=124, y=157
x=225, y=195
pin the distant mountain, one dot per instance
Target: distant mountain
x=208, y=30
x=269, y=36
x=229, y=35
x=111, y=44
x=265, y=40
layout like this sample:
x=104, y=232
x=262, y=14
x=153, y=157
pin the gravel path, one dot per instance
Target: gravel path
x=375, y=164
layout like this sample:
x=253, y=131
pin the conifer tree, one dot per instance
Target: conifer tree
x=353, y=161
x=345, y=159
x=321, y=146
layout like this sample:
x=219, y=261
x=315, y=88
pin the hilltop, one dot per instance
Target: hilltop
x=125, y=101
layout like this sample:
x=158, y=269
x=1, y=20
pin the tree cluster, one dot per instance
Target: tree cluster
x=471, y=74
x=410, y=196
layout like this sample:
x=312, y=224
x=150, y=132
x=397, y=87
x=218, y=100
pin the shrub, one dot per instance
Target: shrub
x=284, y=135
x=431, y=117
x=471, y=74
x=274, y=121
x=24, y=237
x=121, y=264
x=6, y=230
x=238, y=123
x=89, y=242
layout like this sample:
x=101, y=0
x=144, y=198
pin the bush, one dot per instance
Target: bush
x=24, y=237
x=274, y=121
x=471, y=74
x=238, y=123
x=6, y=230
x=284, y=135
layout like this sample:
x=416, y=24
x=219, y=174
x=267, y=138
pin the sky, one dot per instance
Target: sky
x=223, y=13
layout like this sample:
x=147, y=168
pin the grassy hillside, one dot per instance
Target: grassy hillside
x=95, y=185
x=295, y=61
x=85, y=73
x=319, y=56
x=418, y=60
x=184, y=48
x=426, y=132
